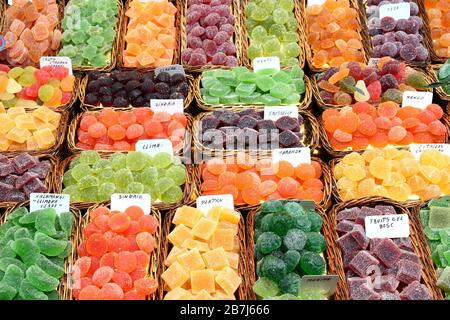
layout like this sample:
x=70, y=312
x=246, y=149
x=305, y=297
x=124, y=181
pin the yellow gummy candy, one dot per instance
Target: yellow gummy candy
x=432, y=174
x=380, y=167
x=355, y=172
x=354, y=158
x=400, y=192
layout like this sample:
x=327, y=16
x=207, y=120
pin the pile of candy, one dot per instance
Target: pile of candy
x=272, y=28
x=353, y=82
x=123, y=88
x=393, y=173
x=396, y=38
x=114, y=256
x=95, y=179
x=378, y=268
x=150, y=36
x=30, y=32
x=89, y=29
x=31, y=87
x=210, y=29
x=21, y=130
x=240, y=85
x=288, y=245
x=203, y=262
x=252, y=181
x=362, y=125
x=333, y=33
x=109, y=130
x=22, y=175
x=438, y=12
x=34, y=246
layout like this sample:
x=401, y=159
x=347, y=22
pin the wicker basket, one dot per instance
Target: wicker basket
x=241, y=293
x=365, y=39
x=323, y=105
x=303, y=105
x=89, y=107
x=123, y=43
x=326, y=178
x=235, y=11
x=423, y=31
x=62, y=288
x=64, y=165
x=310, y=128
x=154, y=257
x=73, y=127
x=326, y=231
x=245, y=39
x=432, y=71
x=418, y=245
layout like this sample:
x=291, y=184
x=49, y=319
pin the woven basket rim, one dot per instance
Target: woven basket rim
x=432, y=73
x=241, y=293
x=418, y=246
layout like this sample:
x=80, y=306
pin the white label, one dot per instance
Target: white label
x=56, y=62
x=395, y=10
x=294, y=156
x=121, y=201
x=167, y=105
x=172, y=69
x=325, y=283
x=416, y=149
x=417, y=99
x=373, y=62
x=57, y=201
x=316, y=2
x=262, y=63
x=275, y=113
x=205, y=203
x=387, y=226
x=154, y=146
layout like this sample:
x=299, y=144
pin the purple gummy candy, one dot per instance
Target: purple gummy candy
x=377, y=40
x=268, y=137
x=194, y=42
x=412, y=39
x=421, y=53
x=386, y=283
x=269, y=125
x=287, y=123
x=345, y=226
x=288, y=139
x=3, y=159
x=213, y=138
x=6, y=169
x=247, y=122
x=222, y=10
x=221, y=37
x=370, y=77
x=361, y=264
x=209, y=122
x=9, y=179
x=197, y=59
x=388, y=24
x=365, y=292
x=355, y=282
x=404, y=243
x=386, y=209
x=34, y=186
x=400, y=35
x=366, y=212
x=350, y=274
x=389, y=49
x=374, y=23
x=217, y=113
x=348, y=243
x=228, y=118
x=408, y=271
x=227, y=47
x=348, y=214
x=230, y=130
x=387, y=252
x=348, y=257
x=360, y=236
x=193, y=16
x=231, y=61
x=5, y=189
x=389, y=37
x=219, y=59
x=197, y=31
x=41, y=169
x=413, y=25
x=390, y=295
x=377, y=51
x=374, y=242
x=408, y=52
x=24, y=179
x=211, y=19
x=247, y=112
x=413, y=8
x=211, y=31
x=210, y=47
x=247, y=137
x=228, y=28
x=408, y=255
x=415, y=291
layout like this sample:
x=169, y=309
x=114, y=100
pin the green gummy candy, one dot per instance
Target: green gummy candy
x=264, y=83
x=28, y=292
x=45, y=221
x=28, y=218
x=424, y=217
x=230, y=98
x=162, y=160
x=87, y=182
x=245, y=89
x=135, y=187
x=273, y=268
x=268, y=242
x=172, y=195
x=136, y=161
x=7, y=261
x=290, y=283
x=123, y=178
x=101, y=165
x=295, y=239
x=282, y=76
x=281, y=223
x=280, y=90
x=315, y=243
x=26, y=249
x=439, y=217
x=312, y=263
x=164, y=184
x=41, y=280
x=7, y=292
x=48, y=245
x=211, y=100
x=66, y=252
x=65, y=221
x=294, y=208
x=269, y=100
x=81, y=170
x=22, y=233
x=265, y=287
x=7, y=251
x=291, y=258
x=118, y=161
x=316, y=221
x=54, y=295
x=177, y=174
x=13, y=276
x=272, y=206
x=89, y=157
x=219, y=90
x=266, y=222
x=68, y=179
x=49, y=267
x=17, y=214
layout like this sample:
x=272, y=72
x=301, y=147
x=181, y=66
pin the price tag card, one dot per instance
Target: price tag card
x=121, y=201
x=373, y=62
x=294, y=156
x=167, y=105
x=418, y=99
x=416, y=149
x=56, y=62
x=387, y=226
x=205, y=203
x=326, y=283
x=59, y=202
x=316, y=2
x=395, y=10
x=274, y=113
x=262, y=63
x=172, y=69
x=154, y=146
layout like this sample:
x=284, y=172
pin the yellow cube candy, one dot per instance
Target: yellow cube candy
x=25, y=121
x=187, y=215
x=17, y=146
x=203, y=295
x=32, y=144
x=236, y=244
x=55, y=121
x=203, y=280
x=179, y=234
x=175, y=276
x=227, y=214
x=173, y=254
x=214, y=213
x=4, y=143
x=223, y=238
x=233, y=259
x=15, y=112
x=192, y=244
x=42, y=125
x=204, y=228
x=216, y=259
x=228, y=225
x=222, y=295
x=191, y=260
x=228, y=280
x=26, y=103
x=44, y=138
x=6, y=123
x=178, y=294
x=45, y=114
x=18, y=135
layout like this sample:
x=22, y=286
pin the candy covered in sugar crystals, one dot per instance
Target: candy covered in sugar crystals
x=438, y=12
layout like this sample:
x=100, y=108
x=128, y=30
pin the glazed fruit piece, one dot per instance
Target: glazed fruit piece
x=438, y=12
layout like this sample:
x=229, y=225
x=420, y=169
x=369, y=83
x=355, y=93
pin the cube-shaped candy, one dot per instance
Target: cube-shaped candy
x=229, y=280
x=5, y=144
x=439, y=217
x=24, y=162
x=443, y=281
x=186, y=215
x=34, y=186
x=175, y=276
x=360, y=236
x=233, y=259
x=345, y=226
x=408, y=271
x=44, y=138
x=347, y=257
x=387, y=252
x=348, y=214
x=191, y=260
x=348, y=244
x=203, y=280
x=363, y=263
x=6, y=169
x=41, y=169
x=204, y=228
x=214, y=213
x=15, y=112
x=179, y=234
x=7, y=124
x=173, y=254
x=385, y=295
x=374, y=242
x=222, y=238
x=32, y=143
x=3, y=159
x=386, y=209
x=25, y=121
x=203, y=295
x=216, y=259
x=350, y=274
x=222, y=295
x=178, y=294
x=227, y=214
x=18, y=135
x=45, y=114
x=9, y=179
x=5, y=189
x=228, y=225
x=24, y=179
x=411, y=256
x=365, y=292
x=236, y=244
x=366, y=212
x=192, y=244
x=355, y=282
x=404, y=243
x=415, y=291
x=386, y=283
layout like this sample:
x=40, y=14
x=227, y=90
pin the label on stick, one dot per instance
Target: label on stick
x=57, y=201
x=417, y=149
x=121, y=201
x=387, y=226
x=275, y=113
x=154, y=146
x=395, y=10
x=56, y=62
x=316, y=2
x=172, y=69
x=417, y=99
x=167, y=105
x=205, y=203
x=262, y=63
x=294, y=156
x=327, y=283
